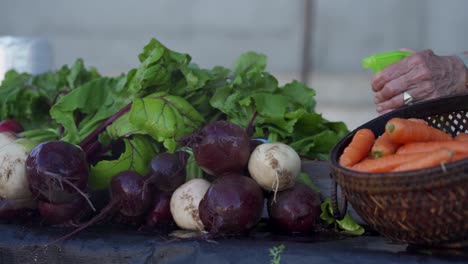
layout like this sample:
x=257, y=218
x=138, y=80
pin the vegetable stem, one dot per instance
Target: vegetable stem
x=84, y=144
x=249, y=129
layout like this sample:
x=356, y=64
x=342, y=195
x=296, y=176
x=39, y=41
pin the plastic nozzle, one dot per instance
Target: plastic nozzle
x=379, y=61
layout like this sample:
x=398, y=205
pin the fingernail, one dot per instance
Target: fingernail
x=379, y=109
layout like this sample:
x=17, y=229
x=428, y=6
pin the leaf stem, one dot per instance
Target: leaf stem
x=249, y=129
x=87, y=142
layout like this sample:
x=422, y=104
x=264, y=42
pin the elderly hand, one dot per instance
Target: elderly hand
x=423, y=75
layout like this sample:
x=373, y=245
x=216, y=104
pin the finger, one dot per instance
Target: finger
x=408, y=50
x=398, y=69
x=397, y=101
x=415, y=76
x=390, y=73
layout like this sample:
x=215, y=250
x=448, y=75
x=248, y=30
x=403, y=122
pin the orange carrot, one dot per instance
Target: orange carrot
x=457, y=146
x=358, y=149
x=383, y=146
x=459, y=156
x=435, y=158
x=386, y=163
x=461, y=137
x=418, y=120
x=403, y=131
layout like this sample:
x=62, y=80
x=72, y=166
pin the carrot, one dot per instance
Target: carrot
x=383, y=146
x=459, y=156
x=386, y=163
x=418, y=120
x=358, y=148
x=461, y=137
x=457, y=146
x=402, y=131
x=435, y=158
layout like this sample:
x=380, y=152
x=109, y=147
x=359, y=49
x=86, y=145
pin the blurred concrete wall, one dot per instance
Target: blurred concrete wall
x=110, y=34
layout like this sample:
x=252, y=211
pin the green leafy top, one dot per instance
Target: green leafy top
x=168, y=97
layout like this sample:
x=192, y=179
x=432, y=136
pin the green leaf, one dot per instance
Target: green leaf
x=28, y=98
x=165, y=117
x=350, y=226
x=299, y=95
x=96, y=101
x=347, y=225
x=139, y=151
x=250, y=62
x=271, y=105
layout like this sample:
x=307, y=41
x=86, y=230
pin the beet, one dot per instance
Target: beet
x=166, y=172
x=64, y=214
x=9, y=125
x=220, y=147
x=15, y=209
x=295, y=210
x=160, y=215
x=57, y=172
x=233, y=204
x=129, y=198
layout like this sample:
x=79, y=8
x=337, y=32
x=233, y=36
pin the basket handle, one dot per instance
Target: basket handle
x=337, y=212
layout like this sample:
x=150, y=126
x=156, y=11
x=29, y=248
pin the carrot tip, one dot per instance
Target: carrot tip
x=377, y=154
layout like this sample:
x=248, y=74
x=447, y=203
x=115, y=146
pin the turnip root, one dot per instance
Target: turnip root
x=13, y=181
x=274, y=166
x=7, y=138
x=185, y=201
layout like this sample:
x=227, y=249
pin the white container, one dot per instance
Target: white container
x=24, y=54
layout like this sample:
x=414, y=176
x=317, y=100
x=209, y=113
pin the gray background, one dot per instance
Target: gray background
x=110, y=34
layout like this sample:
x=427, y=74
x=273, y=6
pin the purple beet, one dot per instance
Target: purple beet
x=57, y=172
x=166, y=172
x=9, y=125
x=16, y=209
x=160, y=215
x=220, y=147
x=233, y=204
x=64, y=214
x=129, y=198
x=295, y=210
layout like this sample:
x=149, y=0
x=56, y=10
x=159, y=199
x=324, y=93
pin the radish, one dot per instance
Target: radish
x=185, y=202
x=274, y=166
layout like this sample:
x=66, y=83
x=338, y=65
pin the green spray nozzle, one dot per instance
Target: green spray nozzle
x=379, y=61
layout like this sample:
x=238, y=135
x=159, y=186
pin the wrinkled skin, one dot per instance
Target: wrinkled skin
x=423, y=75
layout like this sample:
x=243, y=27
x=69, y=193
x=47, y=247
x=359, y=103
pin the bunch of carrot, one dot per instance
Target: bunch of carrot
x=406, y=144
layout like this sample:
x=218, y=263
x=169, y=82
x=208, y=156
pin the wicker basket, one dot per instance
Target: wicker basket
x=427, y=207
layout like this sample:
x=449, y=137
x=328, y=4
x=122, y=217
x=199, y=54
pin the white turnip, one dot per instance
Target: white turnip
x=274, y=166
x=185, y=202
x=13, y=181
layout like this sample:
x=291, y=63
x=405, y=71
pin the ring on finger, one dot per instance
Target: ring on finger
x=407, y=98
